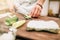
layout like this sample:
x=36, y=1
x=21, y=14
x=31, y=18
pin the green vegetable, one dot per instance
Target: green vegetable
x=27, y=17
x=10, y=21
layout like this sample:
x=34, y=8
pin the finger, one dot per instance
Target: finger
x=30, y=14
x=40, y=9
x=38, y=14
x=35, y=13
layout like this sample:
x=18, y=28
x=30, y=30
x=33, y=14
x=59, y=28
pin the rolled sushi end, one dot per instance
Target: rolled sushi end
x=27, y=17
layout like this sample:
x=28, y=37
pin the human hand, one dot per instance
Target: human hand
x=12, y=10
x=35, y=11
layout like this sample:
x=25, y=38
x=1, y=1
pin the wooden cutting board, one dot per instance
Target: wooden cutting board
x=38, y=35
x=21, y=32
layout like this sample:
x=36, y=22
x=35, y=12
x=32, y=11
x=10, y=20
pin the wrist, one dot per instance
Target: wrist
x=41, y=2
x=40, y=5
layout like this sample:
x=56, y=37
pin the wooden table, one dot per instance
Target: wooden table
x=21, y=32
x=38, y=35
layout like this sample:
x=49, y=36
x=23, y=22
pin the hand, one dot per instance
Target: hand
x=36, y=11
x=12, y=10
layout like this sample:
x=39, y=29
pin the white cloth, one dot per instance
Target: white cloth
x=10, y=35
x=25, y=6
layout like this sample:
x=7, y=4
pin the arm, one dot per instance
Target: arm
x=41, y=1
x=10, y=5
x=35, y=12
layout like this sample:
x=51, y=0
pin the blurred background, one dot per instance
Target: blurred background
x=54, y=8
x=51, y=8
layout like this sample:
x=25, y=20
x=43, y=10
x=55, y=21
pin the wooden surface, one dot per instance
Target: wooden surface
x=36, y=35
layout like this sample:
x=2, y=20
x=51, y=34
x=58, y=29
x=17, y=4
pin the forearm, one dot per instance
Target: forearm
x=10, y=4
x=41, y=2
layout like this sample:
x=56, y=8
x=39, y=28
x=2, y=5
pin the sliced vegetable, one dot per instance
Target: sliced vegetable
x=27, y=17
x=18, y=24
x=9, y=21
